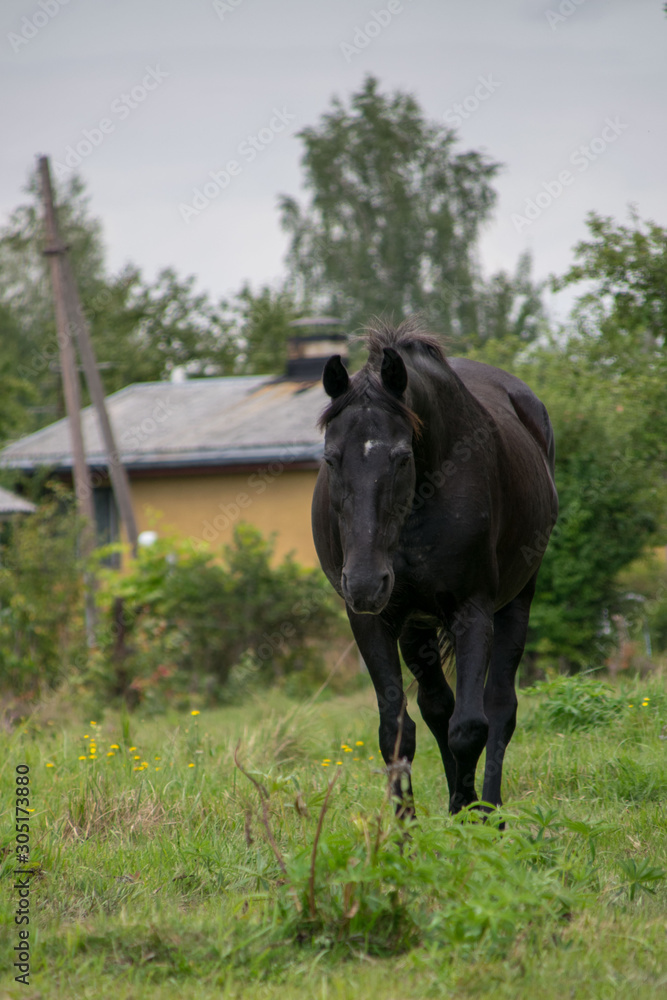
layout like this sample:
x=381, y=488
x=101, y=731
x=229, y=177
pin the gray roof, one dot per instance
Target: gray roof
x=11, y=504
x=211, y=421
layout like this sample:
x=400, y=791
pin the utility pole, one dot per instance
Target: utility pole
x=55, y=250
x=117, y=473
x=76, y=323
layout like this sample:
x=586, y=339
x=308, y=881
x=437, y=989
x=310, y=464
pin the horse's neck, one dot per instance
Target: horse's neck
x=449, y=414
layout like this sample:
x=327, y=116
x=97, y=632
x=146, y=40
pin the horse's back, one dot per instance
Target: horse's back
x=507, y=397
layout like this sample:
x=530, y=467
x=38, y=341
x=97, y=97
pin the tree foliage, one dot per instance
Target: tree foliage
x=141, y=330
x=620, y=319
x=624, y=309
x=260, y=321
x=611, y=501
x=393, y=216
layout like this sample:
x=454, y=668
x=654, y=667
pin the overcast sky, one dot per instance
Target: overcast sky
x=569, y=88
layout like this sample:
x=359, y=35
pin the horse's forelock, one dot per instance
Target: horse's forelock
x=369, y=389
x=378, y=335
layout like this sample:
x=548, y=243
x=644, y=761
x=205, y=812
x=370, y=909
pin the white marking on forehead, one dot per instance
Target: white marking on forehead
x=368, y=445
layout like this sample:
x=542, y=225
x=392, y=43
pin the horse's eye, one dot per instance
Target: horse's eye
x=402, y=460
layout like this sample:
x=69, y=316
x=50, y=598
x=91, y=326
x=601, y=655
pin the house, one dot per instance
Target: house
x=204, y=454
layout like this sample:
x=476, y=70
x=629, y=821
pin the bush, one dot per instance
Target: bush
x=180, y=620
x=577, y=702
x=41, y=597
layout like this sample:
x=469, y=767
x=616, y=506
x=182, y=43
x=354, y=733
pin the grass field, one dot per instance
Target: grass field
x=160, y=870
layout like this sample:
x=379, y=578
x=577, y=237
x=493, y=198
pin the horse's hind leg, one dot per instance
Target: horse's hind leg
x=421, y=652
x=500, y=703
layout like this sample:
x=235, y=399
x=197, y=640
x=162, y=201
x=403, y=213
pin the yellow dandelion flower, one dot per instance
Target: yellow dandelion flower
x=190, y=765
x=137, y=756
x=327, y=760
x=355, y=758
x=630, y=705
x=359, y=743
x=339, y=762
x=349, y=750
x=93, y=723
x=325, y=763
x=157, y=768
x=195, y=712
x=86, y=737
x=83, y=757
x=50, y=765
x=110, y=753
x=371, y=757
x=114, y=746
x=130, y=749
x=145, y=762
x=158, y=758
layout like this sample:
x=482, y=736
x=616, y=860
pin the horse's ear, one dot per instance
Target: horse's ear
x=393, y=372
x=335, y=377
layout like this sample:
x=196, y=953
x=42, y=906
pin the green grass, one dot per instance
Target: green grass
x=187, y=878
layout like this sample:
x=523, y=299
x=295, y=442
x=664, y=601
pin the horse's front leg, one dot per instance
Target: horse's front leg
x=469, y=727
x=378, y=644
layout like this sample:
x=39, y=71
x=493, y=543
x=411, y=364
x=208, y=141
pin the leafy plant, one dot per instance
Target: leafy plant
x=576, y=702
x=375, y=885
x=41, y=606
x=642, y=877
x=181, y=619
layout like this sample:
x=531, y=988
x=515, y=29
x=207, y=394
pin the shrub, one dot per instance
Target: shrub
x=41, y=606
x=179, y=620
x=576, y=702
x=371, y=886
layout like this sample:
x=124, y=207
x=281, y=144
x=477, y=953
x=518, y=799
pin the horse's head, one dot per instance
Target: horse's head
x=371, y=473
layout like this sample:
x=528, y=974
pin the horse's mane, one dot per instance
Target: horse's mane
x=367, y=384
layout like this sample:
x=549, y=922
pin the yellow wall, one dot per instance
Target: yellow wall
x=208, y=507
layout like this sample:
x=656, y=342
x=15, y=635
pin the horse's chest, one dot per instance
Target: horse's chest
x=437, y=552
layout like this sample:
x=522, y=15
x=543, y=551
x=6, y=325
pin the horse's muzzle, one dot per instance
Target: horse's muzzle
x=367, y=596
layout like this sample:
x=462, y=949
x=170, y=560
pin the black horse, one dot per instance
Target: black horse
x=431, y=514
